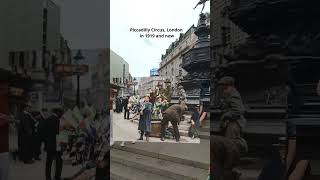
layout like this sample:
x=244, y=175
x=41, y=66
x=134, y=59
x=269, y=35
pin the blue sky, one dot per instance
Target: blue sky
x=143, y=54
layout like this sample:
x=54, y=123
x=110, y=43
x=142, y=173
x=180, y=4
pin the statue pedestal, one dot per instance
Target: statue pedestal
x=155, y=128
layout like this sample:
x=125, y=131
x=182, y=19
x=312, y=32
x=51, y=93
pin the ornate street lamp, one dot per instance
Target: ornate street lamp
x=78, y=58
x=134, y=86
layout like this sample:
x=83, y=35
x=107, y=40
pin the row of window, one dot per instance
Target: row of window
x=30, y=60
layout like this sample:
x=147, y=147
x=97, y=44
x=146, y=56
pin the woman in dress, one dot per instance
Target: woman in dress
x=146, y=117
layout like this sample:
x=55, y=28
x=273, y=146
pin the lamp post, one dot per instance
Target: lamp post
x=78, y=57
x=134, y=86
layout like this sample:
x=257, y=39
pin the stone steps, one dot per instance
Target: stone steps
x=156, y=166
x=123, y=172
x=141, y=149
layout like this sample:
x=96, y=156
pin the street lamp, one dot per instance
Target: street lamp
x=134, y=86
x=78, y=58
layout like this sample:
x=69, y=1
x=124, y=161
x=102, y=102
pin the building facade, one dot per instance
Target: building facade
x=30, y=28
x=170, y=65
x=119, y=73
x=149, y=83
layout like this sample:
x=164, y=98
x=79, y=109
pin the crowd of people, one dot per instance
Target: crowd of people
x=80, y=136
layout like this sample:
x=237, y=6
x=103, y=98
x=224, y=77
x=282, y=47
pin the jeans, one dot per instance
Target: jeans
x=4, y=166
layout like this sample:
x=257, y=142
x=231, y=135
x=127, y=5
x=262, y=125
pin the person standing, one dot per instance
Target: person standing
x=37, y=139
x=52, y=127
x=146, y=112
x=26, y=132
x=141, y=120
x=173, y=114
x=125, y=103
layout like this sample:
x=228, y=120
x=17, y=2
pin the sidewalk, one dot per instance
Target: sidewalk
x=36, y=171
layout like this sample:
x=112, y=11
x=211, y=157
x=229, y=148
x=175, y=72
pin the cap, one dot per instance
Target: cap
x=226, y=80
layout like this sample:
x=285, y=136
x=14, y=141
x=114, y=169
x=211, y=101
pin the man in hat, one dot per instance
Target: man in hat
x=227, y=148
x=173, y=115
x=232, y=107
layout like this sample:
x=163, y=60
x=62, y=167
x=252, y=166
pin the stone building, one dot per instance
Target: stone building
x=170, y=65
x=119, y=74
x=29, y=29
x=149, y=83
x=170, y=62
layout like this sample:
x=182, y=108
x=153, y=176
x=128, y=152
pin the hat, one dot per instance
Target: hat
x=226, y=80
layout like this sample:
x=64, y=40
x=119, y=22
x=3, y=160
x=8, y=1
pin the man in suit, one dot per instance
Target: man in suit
x=173, y=114
x=52, y=126
x=25, y=133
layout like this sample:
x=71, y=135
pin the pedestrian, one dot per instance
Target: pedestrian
x=125, y=103
x=37, y=136
x=13, y=136
x=147, y=117
x=118, y=104
x=26, y=132
x=173, y=115
x=52, y=127
x=195, y=123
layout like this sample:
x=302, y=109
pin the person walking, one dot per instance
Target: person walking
x=125, y=103
x=52, y=127
x=173, y=115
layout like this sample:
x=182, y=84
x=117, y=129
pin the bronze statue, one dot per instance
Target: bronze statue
x=203, y=2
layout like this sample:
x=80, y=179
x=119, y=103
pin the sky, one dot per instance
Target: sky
x=143, y=54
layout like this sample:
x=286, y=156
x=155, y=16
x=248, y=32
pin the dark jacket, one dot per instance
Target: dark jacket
x=174, y=112
x=51, y=130
x=125, y=102
x=233, y=108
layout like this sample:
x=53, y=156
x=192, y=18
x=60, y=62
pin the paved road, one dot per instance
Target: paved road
x=126, y=130
x=36, y=171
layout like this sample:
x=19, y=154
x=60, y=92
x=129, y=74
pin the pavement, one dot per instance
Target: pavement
x=127, y=130
x=36, y=171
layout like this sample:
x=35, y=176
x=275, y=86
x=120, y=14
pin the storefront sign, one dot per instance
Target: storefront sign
x=71, y=69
